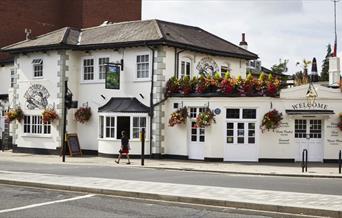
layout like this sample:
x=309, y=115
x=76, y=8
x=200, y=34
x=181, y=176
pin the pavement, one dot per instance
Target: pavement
x=275, y=201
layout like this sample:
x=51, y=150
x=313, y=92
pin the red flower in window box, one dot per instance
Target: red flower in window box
x=49, y=115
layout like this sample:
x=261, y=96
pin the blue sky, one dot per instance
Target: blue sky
x=275, y=29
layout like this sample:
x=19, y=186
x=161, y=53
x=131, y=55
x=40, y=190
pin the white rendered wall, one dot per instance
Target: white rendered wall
x=5, y=78
x=90, y=91
x=277, y=144
x=49, y=81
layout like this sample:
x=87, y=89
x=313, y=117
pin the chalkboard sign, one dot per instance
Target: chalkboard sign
x=73, y=144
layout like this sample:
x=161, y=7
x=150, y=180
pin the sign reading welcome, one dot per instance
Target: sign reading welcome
x=307, y=105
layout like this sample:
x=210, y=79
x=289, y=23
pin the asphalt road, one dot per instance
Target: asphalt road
x=26, y=202
x=276, y=183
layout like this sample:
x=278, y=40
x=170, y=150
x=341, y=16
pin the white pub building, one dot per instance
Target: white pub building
x=149, y=54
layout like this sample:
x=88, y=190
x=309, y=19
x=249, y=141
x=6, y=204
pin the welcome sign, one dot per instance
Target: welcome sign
x=310, y=106
x=112, y=76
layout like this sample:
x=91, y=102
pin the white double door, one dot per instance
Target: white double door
x=309, y=136
x=196, y=145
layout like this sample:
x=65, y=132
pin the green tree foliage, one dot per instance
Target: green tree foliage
x=280, y=68
x=325, y=65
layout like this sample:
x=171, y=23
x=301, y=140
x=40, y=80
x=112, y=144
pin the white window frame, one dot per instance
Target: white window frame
x=12, y=79
x=96, y=68
x=226, y=65
x=37, y=62
x=83, y=69
x=183, y=63
x=139, y=127
x=200, y=131
x=36, y=126
x=246, y=122
x=149, y=67
x=102, y=67
x=116, y=115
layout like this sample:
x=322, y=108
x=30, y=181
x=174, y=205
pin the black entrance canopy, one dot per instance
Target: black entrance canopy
x=124, y=105
x=309, y=112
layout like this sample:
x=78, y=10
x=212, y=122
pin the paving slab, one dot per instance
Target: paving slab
x=276, y=201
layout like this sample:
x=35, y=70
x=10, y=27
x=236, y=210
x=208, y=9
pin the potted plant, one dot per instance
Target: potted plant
x=179, y=116
x=185, y=85
x=205, y=118
x=172, y=86
x=49, y=115
x=15, y=114
x=271, y=120
x=83, y=114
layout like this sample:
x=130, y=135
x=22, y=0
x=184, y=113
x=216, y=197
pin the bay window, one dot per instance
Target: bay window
x=111, y=126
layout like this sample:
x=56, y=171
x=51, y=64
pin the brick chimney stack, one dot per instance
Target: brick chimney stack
x=243, y=44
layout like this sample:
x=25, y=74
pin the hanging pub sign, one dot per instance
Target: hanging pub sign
x=112, y=76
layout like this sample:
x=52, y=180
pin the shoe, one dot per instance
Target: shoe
x=129, y=163
x=117, y=162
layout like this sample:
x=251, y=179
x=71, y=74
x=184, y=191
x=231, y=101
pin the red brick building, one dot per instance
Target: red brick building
x=42, y=16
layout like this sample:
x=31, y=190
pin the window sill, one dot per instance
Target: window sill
x=36, y=136
x=142, y=80
x=119, y=140
x=92, y=82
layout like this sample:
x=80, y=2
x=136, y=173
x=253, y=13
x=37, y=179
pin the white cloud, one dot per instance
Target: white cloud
x=291, y=29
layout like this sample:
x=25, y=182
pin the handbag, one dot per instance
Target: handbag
x=120, y=151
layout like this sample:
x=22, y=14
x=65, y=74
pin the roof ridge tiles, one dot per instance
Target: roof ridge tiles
x=118, y=23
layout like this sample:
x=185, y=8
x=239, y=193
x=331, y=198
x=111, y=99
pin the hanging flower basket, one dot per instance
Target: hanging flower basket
x=49, y=115
x=339, y=125
x=179, y=116
x=83, y=114
x=271, y=120
x=205, y=118
x=15, y=114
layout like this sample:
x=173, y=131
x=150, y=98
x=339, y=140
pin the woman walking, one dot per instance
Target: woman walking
x=124, y=147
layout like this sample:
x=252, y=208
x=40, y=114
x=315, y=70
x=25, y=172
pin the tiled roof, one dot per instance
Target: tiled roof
x=134, y=33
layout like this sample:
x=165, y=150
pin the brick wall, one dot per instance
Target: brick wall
x=44, y=16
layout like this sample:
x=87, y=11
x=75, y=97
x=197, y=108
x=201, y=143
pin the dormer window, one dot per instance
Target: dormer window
x=37, y=68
